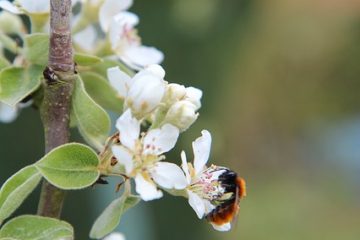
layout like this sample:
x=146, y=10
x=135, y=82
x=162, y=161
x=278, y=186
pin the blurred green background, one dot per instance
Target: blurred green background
x=281, y=81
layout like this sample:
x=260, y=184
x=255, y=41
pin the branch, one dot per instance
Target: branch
x=58, y=86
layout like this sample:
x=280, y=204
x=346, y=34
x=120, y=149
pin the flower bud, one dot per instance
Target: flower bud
x=145, y=93
x=181, y=114
x=174, y=92
x=7, y=113
x=194, y=96
x=10, y=23
x=156, y=70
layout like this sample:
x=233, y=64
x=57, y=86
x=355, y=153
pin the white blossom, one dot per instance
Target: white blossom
x=143, y=92
x=181, y=114
x=87, y=39
x=141, y=155
x=109, y=9
x=7, y=113
x=203, y=185
x=182, y=105
x=115, y=236
x=26, y=6
x=126, y=43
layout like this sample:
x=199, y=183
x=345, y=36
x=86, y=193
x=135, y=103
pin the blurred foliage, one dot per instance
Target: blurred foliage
x=275, y=74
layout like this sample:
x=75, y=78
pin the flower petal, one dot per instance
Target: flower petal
x=121, y=32
x=145, y=93
x=160, y=140
x=146, y=189
x=137, y=57
x=156, y=69
x=193, y=95
x=119, y=80
x=124, y=157
x=129, y=129
x=222, y=228
x=168, y=175
x=109, y=9
x=197, y=204
x=8, y=6
x=38, y=6
x=86, y=39
x=7, y=113
x=201, y=147
x=115, y=236
x=185, y=167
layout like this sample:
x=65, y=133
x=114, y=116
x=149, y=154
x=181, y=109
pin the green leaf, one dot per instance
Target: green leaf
x=86, y=60
x=110, y=217
x=9, y=43
x=101, y=68
x=101, y=91
x=30, y=227
x=16, y=83
x=70, y=166
x=92, y=120
x=14, y=191
x=36, y=48
x=3, y=63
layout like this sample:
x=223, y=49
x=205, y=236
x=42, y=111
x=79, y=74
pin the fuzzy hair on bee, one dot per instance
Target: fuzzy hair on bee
x=227, y=209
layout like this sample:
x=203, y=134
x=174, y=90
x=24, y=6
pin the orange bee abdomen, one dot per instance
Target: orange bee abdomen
x=241, y=186
x=222, y=215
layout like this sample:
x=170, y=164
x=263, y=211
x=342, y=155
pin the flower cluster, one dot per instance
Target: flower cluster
x=168, y=109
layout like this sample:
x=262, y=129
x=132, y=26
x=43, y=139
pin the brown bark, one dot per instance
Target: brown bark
x=58, y=86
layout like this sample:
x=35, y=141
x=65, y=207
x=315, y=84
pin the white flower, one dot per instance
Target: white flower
x=115, y=236
x=109, y=9
x=143, y=92
x=26, y=6
x=204, y=189
x=7, y=113
x=141, y=156
x=193, y=95
x=174, y=92
x=126, y=43
x=181, y=105
x=181, y=114
x=87, y=39
x=10, y=23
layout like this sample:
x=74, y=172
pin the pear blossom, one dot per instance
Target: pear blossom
x=182, y=114
x=109, y=9
x=7, y=113
x=143, y=92
x=87, y=39
x=181, y=105
x=26, y=6
x=115, y=236
x=193, y=95
x=141, y=156
x=204, y=188
x=126, y=43
x=174, y=92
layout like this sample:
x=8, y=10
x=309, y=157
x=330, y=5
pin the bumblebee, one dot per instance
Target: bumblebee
x=227, y=209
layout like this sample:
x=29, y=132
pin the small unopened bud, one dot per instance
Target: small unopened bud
x=181, y=114
x=194, y=96
x=145, y=93
x=10, y=23
x=174, y=92
x=156, y=70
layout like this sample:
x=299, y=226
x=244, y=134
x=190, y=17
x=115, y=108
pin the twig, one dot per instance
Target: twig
x=58, y=86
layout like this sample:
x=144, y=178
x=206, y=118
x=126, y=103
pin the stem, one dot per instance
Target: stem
x=58, y=86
